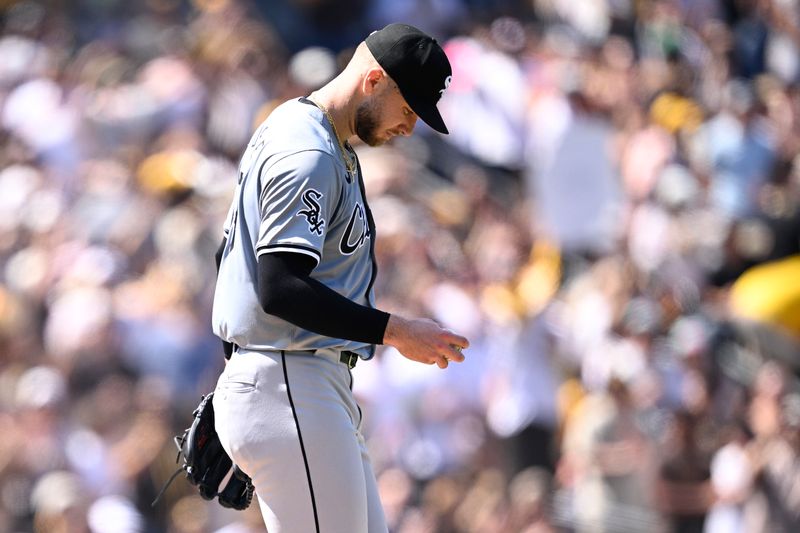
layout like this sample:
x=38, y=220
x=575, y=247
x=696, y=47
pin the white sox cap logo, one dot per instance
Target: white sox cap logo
x=447, y=81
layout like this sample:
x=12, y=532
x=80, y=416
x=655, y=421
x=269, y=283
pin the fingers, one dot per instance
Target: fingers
x=456, y=343
x=454, y=353
x=425, y=341
x=442, y=361
x=455, y=339
x=449, y=353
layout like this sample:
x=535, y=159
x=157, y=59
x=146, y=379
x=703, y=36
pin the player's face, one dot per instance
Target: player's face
x=385, y=114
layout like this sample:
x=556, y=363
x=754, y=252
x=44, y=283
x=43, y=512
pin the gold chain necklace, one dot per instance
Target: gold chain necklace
x=351, y=167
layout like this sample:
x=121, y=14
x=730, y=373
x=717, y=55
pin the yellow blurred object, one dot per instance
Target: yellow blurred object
x=169, y=171
x=540, y=278
x=568, y=399
x=500, y=302
x=674, y=112
x=770, y=293
x=449, y=206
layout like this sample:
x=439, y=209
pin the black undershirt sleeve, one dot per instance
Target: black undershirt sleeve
x=227, y=347
x=287, y=290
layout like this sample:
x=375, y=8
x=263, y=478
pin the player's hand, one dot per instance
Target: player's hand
x=424, y=341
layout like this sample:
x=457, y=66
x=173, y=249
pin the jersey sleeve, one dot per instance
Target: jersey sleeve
x=298, y=199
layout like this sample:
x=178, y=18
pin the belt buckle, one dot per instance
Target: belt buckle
x=349, y=358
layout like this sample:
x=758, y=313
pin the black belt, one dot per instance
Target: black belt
x=347, y=357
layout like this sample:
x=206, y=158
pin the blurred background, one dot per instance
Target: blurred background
x=614, y=223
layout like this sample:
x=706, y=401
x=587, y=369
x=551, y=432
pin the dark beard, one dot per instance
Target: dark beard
x=367, y=123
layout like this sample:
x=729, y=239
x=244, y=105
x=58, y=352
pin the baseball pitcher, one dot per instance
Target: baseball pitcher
x=294, y=298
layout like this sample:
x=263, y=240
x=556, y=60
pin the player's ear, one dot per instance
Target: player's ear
x=372, y=79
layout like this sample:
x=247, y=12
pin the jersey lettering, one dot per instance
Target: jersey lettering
x=350, y=243
x=312, y=214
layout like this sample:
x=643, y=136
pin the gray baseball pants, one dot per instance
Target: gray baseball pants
x=289, y=420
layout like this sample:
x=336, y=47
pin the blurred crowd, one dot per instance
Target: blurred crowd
x=614, y=223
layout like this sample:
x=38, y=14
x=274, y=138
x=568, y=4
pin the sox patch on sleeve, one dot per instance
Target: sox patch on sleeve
x=299, y=198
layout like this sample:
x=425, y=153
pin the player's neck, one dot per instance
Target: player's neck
x=340, y=107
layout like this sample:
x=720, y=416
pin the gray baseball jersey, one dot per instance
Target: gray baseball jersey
x=294, y=194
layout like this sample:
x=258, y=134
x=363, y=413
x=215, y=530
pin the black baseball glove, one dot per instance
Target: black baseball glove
x=207, y=464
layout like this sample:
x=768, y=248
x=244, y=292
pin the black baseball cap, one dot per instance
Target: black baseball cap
x=419, y=66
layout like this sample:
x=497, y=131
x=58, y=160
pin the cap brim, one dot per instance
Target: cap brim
x=428, y=113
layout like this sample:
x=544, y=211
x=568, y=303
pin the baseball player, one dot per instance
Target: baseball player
x=294, y=296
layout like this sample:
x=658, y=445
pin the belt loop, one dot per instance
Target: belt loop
x=349, y=358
